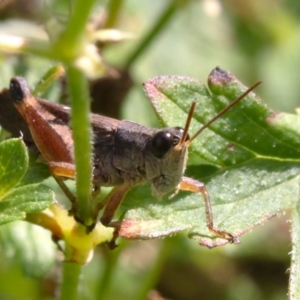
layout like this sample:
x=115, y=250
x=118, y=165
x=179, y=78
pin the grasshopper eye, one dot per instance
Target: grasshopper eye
x=181, y=130
x=162, y=142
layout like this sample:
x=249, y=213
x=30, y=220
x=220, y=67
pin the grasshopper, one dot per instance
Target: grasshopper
x=125, y=153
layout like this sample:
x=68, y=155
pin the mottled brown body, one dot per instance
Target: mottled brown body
x=124, y=153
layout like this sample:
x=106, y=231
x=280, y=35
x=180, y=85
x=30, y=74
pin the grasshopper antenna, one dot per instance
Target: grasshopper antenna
x=187, y=125
x=217, y=116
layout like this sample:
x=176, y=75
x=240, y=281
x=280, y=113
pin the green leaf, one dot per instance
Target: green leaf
x=241, y=197
x=294, y=288
x=47, y=80
x=36, y=173
x=26, y=199
x=287, y=123
x=30, y=246
x=17, y=201
x=257, y=165
x=13, y=164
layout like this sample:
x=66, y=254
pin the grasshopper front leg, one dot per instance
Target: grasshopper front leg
x=194, y=186
x=111, y=203
x=51, y=134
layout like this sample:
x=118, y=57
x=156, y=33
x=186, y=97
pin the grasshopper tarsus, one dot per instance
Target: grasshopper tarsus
x=231, y=238
x=235, y=240
x=112, y=243
x=90, y=228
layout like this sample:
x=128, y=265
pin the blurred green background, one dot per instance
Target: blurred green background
x=255, y=40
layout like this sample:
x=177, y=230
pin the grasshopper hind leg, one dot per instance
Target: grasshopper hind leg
x=189, y=184
x=61, y=171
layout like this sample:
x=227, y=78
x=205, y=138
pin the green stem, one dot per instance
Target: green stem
x=160, y=24
x=294, y=284
x=154, y=273
x=47, y=80
x=113, y=10
x=72, y=39
x=82, y=136
x=106, y=278
x=68, y=46
x=70, y=281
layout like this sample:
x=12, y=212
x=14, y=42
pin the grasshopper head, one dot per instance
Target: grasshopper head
x=169, y=149
x=165, y=164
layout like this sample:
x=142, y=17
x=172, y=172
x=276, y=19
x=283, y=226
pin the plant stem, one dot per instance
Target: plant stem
x=114, y=7
x=160, y=24
x=47, y=80
x=70, y=281
x=153, y=275
x=82, y=136
x=72, y=39
x=106, y=278
x=294, y=284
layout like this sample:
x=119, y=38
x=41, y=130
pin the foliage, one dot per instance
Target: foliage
x=248, y=159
